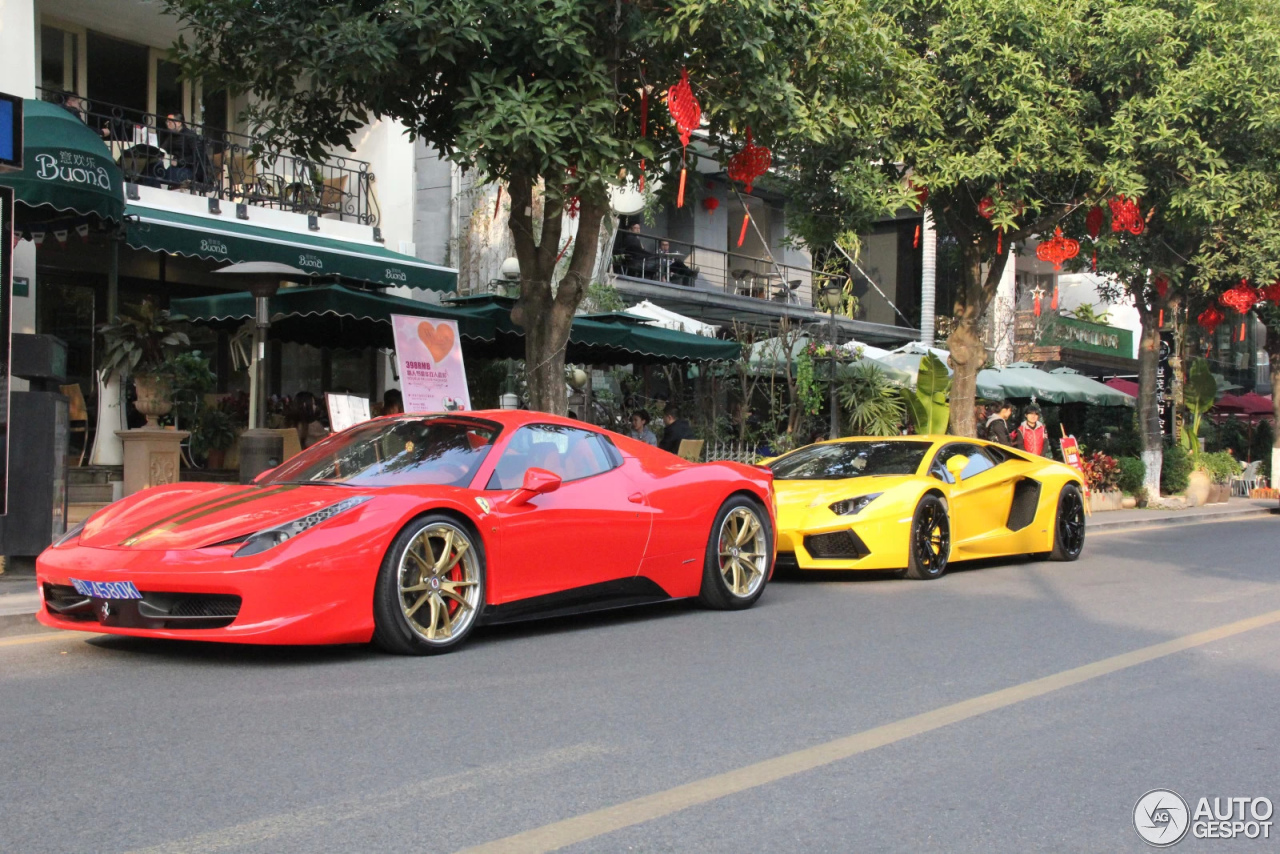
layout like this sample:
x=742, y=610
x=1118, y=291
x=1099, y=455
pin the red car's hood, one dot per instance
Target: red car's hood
x=195, y=515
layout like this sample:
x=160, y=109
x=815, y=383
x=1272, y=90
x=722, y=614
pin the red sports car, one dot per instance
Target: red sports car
x=412, y=530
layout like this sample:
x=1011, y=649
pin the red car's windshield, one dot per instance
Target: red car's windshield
x=439, y=449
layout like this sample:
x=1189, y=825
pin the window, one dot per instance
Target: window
x=59, y=59
x=118, y=72
x=978, y=461
x=841, y=460
x=565, y=451
x=170, y=98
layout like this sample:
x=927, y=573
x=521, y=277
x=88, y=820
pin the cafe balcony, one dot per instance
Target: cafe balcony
x=725, y=287
x=188, y=157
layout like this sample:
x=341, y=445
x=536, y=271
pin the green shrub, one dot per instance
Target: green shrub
x=1221, y=466
x=1132, y=475
x=1175, y=472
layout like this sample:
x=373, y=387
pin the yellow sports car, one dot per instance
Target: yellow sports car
x=916, y=503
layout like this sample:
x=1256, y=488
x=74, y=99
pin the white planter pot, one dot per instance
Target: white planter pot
x=108, y=450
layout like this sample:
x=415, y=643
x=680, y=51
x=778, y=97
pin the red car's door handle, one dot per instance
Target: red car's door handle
x=636, y=498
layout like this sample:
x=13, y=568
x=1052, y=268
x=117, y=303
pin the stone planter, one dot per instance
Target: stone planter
x=1128, y=502
x=1198, y=488
x=155, y=397
x=1100, y=502
x=217, y=458
x=1219, y=493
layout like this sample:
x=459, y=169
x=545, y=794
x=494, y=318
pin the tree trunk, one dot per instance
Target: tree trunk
x=968, y=353
x=543, y=311
x=1273, y=354
x=1148, y=406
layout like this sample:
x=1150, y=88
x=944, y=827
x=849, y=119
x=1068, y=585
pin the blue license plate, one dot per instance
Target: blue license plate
x=106, y=589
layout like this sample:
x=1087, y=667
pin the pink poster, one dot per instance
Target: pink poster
x=429, y=356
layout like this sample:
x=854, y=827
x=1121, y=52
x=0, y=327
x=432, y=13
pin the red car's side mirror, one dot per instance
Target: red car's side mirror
x=536, y=482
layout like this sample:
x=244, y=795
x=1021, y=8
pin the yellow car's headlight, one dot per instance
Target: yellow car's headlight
x=854, y=506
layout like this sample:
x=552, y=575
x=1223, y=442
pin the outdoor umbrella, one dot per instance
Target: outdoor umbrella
x=1022, y=380
x=1092, y=391
x=771, y=353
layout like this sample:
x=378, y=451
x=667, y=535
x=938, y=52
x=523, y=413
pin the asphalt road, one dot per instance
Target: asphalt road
x=1007, y=707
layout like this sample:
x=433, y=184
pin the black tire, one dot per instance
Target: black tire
x=397, y=626
x=735, y=579
x=929, y=548
x=1068, y=526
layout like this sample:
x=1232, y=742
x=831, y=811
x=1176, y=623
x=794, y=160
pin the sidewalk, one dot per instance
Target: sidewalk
x=19, y=600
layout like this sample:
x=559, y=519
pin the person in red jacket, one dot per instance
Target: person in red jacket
x=1034, y=438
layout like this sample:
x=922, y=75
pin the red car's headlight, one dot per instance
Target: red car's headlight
x=272, y=537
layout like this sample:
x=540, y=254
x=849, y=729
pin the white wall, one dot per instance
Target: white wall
x=390, y=154
x=18, y=77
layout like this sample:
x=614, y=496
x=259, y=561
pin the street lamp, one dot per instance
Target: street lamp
x=833, y=299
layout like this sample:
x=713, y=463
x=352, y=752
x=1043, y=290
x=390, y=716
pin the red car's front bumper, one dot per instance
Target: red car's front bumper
x=296, y=594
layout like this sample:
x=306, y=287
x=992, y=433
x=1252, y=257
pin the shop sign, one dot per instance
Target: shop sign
x=429, y=357
x=1164, y=384
x=1091, y=337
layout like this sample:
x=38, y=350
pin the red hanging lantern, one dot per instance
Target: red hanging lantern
x=1210, y=319
x=1058, y=249
x=1093, y=222
x=575, y=205
x=986, y=208
x=749, y=163
x=1271, y=293
x=687, y=114
x=1162, y=285
x=922, y=194
x=710, y=203
x=1126, y=215
x=915, y=241
x=1241, y=298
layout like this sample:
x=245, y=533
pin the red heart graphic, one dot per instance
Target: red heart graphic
x=439, y=339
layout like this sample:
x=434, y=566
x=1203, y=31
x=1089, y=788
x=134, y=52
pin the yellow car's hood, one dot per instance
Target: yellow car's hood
x=804, y=503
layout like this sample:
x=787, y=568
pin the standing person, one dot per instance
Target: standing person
x=306, y=419
x=1031, y=434
x=998, y=425
x=676, y=431
x=392, y=402
x=980, y=419
x=640, y=428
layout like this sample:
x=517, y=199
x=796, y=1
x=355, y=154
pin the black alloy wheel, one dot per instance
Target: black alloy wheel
x=930, y=545
x=1068, y=531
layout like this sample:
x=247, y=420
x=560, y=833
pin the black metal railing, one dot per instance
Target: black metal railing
x=662, y=259
x=172, y=153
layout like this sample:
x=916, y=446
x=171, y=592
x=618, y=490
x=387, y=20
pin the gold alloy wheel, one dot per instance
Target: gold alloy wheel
x=439, y=582
x=743, y=552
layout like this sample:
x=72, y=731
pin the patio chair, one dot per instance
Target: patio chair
x=787, y=292
x=78, y=413
x=1247, y=481
x=332, y=196
x=246, y=184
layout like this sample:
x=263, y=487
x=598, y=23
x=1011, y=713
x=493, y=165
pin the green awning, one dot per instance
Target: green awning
x=66, y=169
x=327, y=316
x=230, y=240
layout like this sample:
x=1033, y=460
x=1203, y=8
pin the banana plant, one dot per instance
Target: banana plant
x=927, y=403
x=1199, y=395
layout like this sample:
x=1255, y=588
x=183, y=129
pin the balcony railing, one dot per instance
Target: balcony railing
x=156, y=151
x=661, y=259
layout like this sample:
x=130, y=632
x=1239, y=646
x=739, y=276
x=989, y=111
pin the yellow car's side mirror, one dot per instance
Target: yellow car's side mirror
x=957, y=464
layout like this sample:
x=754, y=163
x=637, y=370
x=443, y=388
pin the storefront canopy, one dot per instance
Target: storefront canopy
x=226, y=239
x=339, y=316
x=67, y=169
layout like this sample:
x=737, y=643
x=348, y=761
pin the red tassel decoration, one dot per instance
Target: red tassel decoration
x=1037, y=304
x=680, y=195
x=915, y=241
x=567, y=241
x=742, y=235
x=1242, y=331
x=497, y=203
x=1054, y=303
x=642, y=176
x=1160, y=322
x=1000, y=245
x=1095, y=260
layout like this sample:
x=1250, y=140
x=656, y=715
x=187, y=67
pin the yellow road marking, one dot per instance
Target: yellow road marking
x=23, y=640
x=580, y=828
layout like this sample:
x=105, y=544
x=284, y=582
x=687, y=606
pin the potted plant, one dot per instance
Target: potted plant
x=1102, y=473
x=138, y=345
x=215, y=433
x=1199, y=395
x=1220, y=467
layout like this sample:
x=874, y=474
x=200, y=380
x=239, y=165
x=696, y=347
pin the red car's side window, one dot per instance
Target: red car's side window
x=572, y=454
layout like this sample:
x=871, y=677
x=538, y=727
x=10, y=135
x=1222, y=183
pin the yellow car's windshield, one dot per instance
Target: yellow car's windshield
x=841, y=460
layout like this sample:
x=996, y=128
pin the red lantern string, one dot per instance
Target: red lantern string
x=986, y=208
x=1271, y=293
x=750, y=163
x=1093, y=222
x=1241, y=298
x=1058, y=249
x=687, y=114
x=915, y=241
x=1126, y=215
x=742, y=235
x=1210, y=319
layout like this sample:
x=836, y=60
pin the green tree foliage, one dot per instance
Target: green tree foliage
x=871, y=403
x=927, y=402
x=1175, y=471
x=1199, y=396
x=543, y=97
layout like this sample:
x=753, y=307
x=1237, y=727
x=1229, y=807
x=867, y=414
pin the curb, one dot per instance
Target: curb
x=1175, y=517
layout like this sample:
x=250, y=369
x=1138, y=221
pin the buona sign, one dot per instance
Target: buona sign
x=71, y=167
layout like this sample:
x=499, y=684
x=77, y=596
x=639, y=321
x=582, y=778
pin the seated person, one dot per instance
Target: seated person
x=677, y=271
x=637, y=260
x=185, y=149
x=392, y=402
